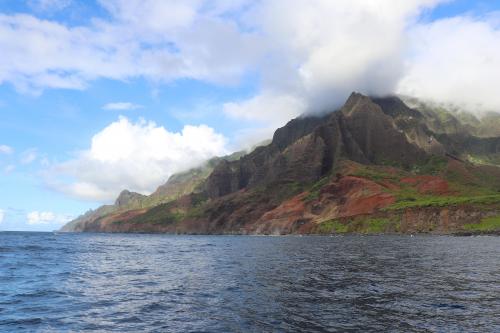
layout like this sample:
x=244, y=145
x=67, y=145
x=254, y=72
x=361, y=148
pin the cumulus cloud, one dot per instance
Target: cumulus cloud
x=456, y=61
x=4, y=149
x=319, y=51
x=37, y=218
x=121, y=106
x=322, y=50
x=136, y=156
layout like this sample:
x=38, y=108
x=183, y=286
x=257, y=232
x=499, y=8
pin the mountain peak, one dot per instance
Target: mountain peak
x=354, y=99
x=126, y=197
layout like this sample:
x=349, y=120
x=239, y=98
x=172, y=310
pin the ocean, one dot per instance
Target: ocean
x=52, y=282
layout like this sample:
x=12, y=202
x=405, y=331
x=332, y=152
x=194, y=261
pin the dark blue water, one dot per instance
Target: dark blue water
x=159, y=283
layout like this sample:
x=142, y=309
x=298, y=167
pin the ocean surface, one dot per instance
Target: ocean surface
x=159, y=283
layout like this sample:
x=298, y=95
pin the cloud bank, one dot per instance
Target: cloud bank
x=455, y=61
x=40, y=218
x=309, y=55
x=323, y=50
x=136, y=156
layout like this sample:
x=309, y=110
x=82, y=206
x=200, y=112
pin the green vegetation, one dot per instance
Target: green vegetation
x=442, y=201
x=316, y=188
x=487, y=224
x=384, y=161
x=161, y=214
x=332, y=227
x=195, y=212
x=481, y=160
x=375, y=226
x=198, y=199
x=433, y=166
x=377, y=174
x=471, y=187
x=358, y=225
x=284, y=191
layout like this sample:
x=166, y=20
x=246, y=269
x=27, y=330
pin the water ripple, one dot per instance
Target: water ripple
x=160, y=283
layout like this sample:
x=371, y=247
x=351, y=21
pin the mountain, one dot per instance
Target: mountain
x=374, y=165
x=177, y=185
x=453, y=120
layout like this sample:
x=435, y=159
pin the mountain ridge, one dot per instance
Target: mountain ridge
x=374, y=159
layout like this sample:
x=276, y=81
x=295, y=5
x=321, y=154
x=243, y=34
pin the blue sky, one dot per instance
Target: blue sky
x=97, y=96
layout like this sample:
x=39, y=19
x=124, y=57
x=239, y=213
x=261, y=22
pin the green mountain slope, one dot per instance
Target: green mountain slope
x=177, y=185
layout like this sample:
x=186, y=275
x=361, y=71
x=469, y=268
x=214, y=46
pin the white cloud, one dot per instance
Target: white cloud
x=153, y=16
x=273, y=109
x=136, y=156
x=48, y=5
x=2, y=215
x=121, y=106
x=308, y=54
x=4, y=149
x=322, y=50
x=29, y=156
x=159, y=40
x=318, y=51
x=37, y=218
x=456, y=61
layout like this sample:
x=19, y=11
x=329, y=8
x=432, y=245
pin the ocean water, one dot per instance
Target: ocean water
x=159, y=283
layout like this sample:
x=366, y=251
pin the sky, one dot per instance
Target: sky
x=102, y=95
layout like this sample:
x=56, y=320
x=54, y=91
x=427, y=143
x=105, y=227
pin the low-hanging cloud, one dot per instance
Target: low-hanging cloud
x=455, y=61
x=136, y=156
x=335, y=47
x=323, y=50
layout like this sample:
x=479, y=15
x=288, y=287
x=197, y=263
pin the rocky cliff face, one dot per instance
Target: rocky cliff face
x=360, y=132
x=130, y=199
x=375, y=165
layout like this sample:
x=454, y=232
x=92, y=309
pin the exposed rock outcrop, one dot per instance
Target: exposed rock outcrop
x=308, y=148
